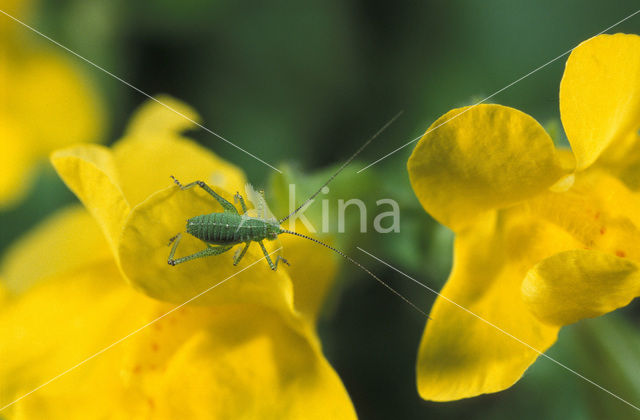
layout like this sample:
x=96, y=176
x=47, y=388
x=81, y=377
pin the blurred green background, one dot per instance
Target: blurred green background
x=305, y=83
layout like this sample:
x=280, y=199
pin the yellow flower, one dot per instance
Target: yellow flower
x=129, y=192
x=246, y=349
x=47, y=104
x=544, y=237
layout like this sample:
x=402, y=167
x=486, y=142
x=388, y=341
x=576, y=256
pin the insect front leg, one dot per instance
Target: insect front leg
x=240, y=253
x=207, y=252
x=239, y=198
x=227, y=206
x=281, y=258
x=273, y=266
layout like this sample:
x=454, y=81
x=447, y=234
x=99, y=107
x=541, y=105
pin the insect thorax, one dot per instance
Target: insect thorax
x=229, y=228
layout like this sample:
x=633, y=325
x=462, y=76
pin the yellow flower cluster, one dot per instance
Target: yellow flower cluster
x=246, y=349
x=544, y=237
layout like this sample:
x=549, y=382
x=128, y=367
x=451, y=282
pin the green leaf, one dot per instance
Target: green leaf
x=608, y=349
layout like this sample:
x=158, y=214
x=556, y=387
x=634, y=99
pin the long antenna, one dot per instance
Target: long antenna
x=348, y=258
x=344, y=165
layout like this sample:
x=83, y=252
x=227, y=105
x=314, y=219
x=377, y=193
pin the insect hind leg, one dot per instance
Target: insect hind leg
x=227, y=206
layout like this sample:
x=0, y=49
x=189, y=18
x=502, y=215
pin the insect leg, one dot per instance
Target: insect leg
x=273, y=266
x=239, y=198
x=266, y=254
x=280, y=258
x=209, y=251
x=173, y=238
x=176, y=241
x=227, y=206
x=240, y=254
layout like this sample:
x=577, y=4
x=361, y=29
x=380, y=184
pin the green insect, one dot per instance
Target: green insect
x=222, y=231
x=229, y=228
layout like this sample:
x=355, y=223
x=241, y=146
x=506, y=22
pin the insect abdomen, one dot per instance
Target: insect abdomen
x=226, y=228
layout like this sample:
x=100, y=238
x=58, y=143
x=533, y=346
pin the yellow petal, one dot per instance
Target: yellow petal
x=600, y=94
x=55, y=102
x=248, y=361
x=145, y=164
x=483, y=158
x=163, y=117
x=623, y=161
x=237, y=367
x=461, y=356
x=51, y=105
x=57, y=324
x=312, y=271
x=152, y=150
x=89, y=171
x=67, y=241
x=599, y=211
x=144, y=252
x=4, y=295
x=578, y=284
x=16, y=160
